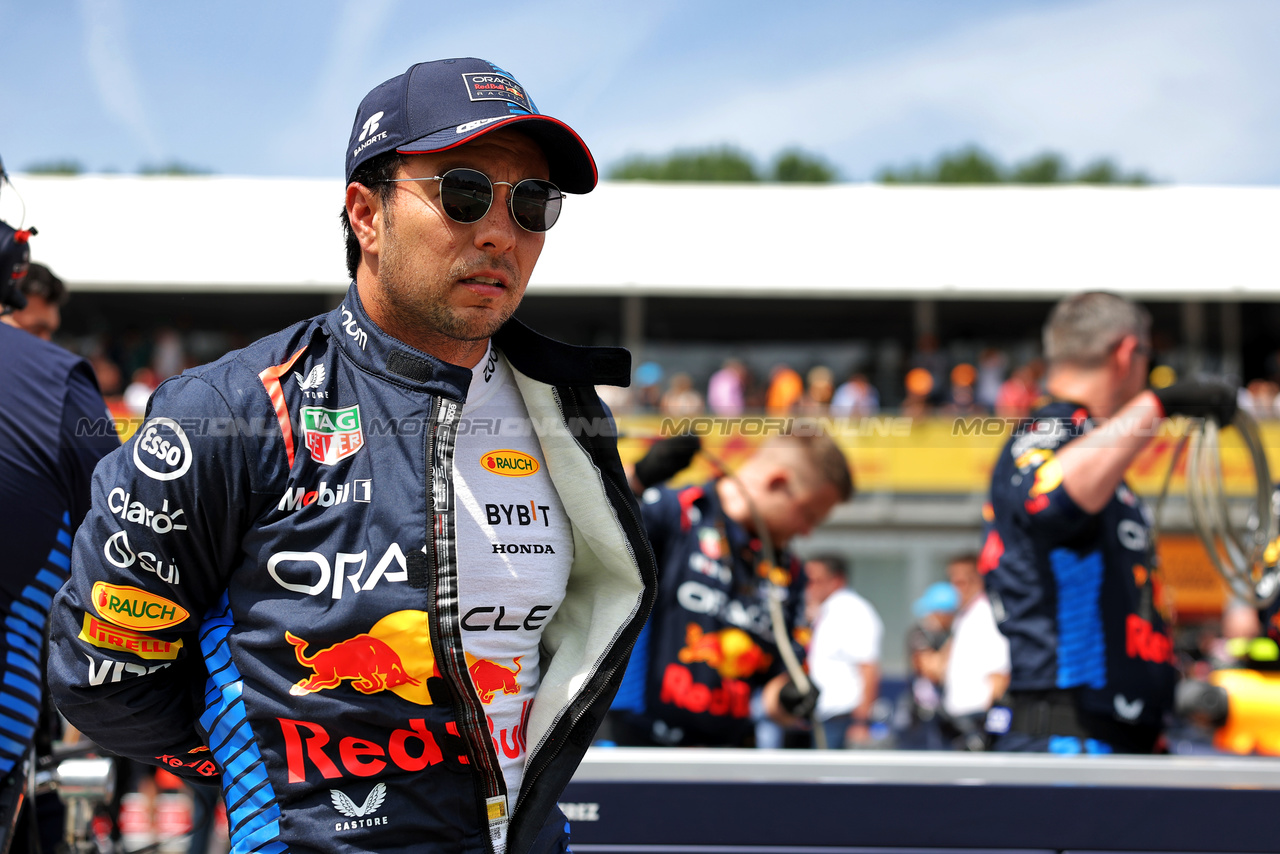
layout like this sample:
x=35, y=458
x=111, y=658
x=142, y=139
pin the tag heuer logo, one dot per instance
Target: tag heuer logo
x=332, y=434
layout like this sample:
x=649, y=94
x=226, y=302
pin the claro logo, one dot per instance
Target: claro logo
x=509, y=463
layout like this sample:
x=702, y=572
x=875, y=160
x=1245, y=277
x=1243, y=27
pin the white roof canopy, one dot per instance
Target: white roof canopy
x=761, y=240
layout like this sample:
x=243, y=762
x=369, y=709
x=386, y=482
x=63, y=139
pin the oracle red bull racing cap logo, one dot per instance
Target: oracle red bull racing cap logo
x=331, y=434
x=496, y=87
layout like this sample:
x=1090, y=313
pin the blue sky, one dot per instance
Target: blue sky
x=1184, y=90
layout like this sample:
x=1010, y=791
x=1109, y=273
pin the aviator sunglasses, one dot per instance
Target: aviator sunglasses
x=466, y=194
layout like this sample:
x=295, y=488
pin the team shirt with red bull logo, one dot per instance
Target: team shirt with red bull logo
x=710, y=642
x=320, y=574
x=1074, y=593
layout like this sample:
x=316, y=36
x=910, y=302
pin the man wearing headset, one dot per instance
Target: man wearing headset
x=54, y=428
x=1067, y=550
x=379, y=572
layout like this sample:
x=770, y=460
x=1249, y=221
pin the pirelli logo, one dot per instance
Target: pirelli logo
x=106, y=636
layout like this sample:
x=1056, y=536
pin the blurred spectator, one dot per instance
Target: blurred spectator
x=648, y=386
x=844, y=654
x=992, y=364
x=821, y=387
x=681, y=398
x=1259, y=398
x=857, y=396
x=919, y=386
x=916, y=718
x=963, y=399
x=727, y=388
x=139, y=390
x=167, y=357
x=929, y=357
x=976, y=659
x=786, y=387
x=1019, y=393
x=45, y=294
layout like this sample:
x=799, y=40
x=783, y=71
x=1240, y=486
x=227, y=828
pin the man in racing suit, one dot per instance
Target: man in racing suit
x=380, y=571
x=54, y=428
x=1067, y=550
x=710, y=643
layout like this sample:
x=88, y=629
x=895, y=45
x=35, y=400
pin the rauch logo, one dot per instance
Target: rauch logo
x=135, y=608
x=509, y=463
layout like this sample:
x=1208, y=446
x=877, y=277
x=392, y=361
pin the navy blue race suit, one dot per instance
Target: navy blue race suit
x=1092, y=663
x=710, y=641
x=54, y=428
x=170, y=645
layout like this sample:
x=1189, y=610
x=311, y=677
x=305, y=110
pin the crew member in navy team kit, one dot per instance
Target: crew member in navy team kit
x=711, y=642
x=1068, y=554
x=54, y=428
x=379, y=572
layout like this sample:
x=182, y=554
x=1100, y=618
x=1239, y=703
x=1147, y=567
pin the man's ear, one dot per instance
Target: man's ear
x=778, y=480
x=1123, y=354
x=364, y=213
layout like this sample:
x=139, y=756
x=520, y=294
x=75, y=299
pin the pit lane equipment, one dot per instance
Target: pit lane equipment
x=1238, y=554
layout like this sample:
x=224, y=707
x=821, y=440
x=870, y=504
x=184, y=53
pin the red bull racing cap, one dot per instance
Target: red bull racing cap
x=435, y=106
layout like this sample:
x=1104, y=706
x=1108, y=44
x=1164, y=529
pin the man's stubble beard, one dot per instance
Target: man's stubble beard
x=423, y=306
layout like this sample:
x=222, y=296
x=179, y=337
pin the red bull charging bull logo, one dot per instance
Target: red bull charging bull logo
x=395, y=655
x=730, y=652
x=489, y=677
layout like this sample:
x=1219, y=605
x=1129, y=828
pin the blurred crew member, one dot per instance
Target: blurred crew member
x=54, y=428
x=710, y=642
x=1067, y=550
x=46, y=294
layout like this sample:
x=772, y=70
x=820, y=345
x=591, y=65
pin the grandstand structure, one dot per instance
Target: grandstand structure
x=848, y=276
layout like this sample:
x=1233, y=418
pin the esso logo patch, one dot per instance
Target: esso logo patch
x=509, y=463
x=162, y=450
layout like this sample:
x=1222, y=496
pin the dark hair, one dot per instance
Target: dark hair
x=372, y=173
x=41, y=282
x=836, y=565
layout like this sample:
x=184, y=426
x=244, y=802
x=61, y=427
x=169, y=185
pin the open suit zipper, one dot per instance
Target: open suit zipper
x=446, y=630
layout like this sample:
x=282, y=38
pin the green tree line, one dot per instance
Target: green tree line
x=725, y=163
x=966, y=165
x=972, y=165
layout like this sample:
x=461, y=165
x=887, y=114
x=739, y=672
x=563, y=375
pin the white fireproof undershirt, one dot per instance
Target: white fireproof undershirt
x=515, y=547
